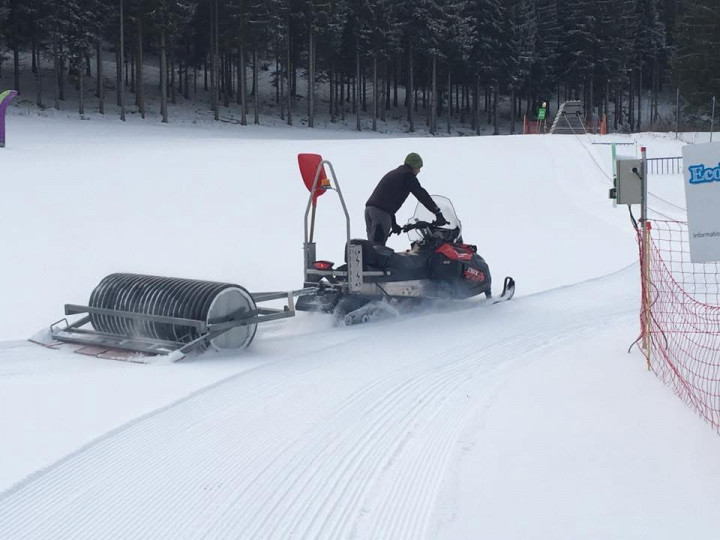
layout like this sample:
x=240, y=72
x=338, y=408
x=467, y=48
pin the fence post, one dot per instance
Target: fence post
x=712, y=119
x=613, y=153
x=645, y=262
x=677, y=112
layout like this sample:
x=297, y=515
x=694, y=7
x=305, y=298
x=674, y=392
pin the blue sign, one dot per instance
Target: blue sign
x=700, y=174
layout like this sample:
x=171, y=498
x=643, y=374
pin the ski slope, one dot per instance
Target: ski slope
x=527, y=419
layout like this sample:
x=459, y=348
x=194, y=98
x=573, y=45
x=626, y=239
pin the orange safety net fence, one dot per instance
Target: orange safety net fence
x=680, y=317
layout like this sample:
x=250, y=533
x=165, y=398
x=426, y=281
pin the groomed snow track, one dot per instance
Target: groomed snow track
x=310, y=445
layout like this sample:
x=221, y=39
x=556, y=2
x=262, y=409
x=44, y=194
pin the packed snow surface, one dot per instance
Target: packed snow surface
x=527, y=419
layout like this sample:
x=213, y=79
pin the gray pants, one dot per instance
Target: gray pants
x=378, y=224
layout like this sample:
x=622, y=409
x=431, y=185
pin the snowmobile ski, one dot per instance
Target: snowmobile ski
x=508, y=291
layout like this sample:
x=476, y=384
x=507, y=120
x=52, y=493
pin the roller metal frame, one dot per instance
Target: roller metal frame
x=354, y=276
x=74, y=332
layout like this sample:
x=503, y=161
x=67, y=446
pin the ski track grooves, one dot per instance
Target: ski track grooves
x=307, y=447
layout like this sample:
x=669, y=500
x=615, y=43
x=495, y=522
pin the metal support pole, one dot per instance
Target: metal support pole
x=677, y=112
x=643, y=187
x=315, y=186
x=647, y=340
x=712, y=119
x=614, y=171
x=312, y=221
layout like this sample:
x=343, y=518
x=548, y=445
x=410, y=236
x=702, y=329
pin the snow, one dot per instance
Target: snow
x=527, y=419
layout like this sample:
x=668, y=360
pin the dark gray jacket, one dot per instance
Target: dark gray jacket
x=394, y=188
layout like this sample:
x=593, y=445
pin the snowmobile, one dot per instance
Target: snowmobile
x=376, y=281
x=134, y=317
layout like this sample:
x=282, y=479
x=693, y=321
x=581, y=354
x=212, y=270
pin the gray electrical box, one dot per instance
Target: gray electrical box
x=629, y=181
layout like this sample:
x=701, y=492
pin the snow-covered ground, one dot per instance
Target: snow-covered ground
x=522, y=420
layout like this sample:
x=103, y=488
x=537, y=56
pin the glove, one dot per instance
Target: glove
x=440, y=220
x=396, y=229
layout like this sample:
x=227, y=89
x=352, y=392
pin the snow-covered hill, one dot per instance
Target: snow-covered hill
x=522, y=420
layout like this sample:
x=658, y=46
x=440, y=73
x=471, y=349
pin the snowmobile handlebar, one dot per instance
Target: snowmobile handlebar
x=420, y=225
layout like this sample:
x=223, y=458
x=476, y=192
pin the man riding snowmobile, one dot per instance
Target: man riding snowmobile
x=390, y=194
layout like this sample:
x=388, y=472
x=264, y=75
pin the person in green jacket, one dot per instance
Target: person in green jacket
x=541, y=115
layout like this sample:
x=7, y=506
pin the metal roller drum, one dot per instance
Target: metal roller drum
x=205, y=301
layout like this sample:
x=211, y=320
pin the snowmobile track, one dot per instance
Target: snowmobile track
x=306, y=447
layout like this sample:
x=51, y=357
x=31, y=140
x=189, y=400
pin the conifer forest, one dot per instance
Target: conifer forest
x=418, y=60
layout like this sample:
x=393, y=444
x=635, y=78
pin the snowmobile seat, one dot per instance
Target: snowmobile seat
x=411, y=264
x=373, y=256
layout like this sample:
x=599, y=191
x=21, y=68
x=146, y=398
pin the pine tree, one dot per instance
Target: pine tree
x=489, y=54
x=356, y=45
x=457, y=40
x=38, y=13
x=385, y=38
x=581, y=43
x=259, y=26
x=16, y=29
x=237, y=22
x=521, y=31
x=614, y=51
x=4, y=13
x=82, y=30
x=697, y=61
x=544, y=75
x=170, y=18
x=278, y=40
x=444, y=31
x=649, y=42
x=409, y=25
x=331, y=39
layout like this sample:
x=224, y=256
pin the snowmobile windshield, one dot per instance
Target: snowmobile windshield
x=452, y=230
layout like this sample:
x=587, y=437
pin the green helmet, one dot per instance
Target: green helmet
x=414, y=160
